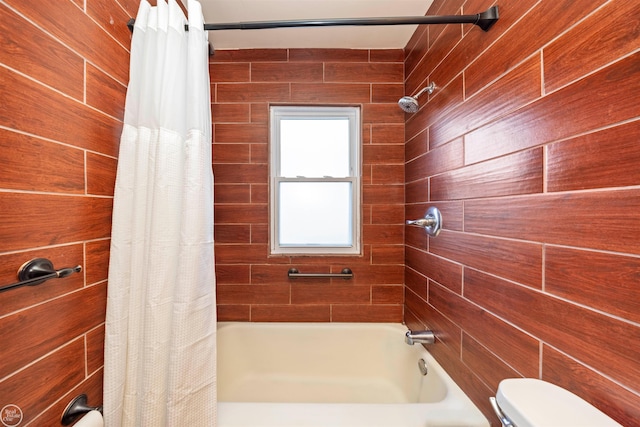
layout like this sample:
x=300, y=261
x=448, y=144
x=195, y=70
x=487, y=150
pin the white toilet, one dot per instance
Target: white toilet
x=529, y=402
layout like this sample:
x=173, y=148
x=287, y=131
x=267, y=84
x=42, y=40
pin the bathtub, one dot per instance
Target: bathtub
x=332, y=375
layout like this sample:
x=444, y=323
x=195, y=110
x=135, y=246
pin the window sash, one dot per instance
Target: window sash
x=276, y=180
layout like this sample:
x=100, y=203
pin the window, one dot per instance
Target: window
x=315, y=180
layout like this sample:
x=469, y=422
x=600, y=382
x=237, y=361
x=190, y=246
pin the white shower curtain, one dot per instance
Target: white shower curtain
x=160, y=355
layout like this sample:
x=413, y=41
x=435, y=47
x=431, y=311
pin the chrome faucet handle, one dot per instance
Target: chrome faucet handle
x=432, y=221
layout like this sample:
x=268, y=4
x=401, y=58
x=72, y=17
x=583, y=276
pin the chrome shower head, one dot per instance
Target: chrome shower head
x=409, y=104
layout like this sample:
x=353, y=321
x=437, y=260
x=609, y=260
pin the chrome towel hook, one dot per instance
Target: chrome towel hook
x=432, y=221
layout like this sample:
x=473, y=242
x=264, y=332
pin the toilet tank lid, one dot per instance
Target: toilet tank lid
x=529, y=402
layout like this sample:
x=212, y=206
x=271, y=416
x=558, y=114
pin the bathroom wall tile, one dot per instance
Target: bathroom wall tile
x=111, y=17
x=230, y=113
x=329, y=55
x=551, y=17
x=252, y=294
x=387, y=214
x=382, y=234
x=241, y=254
x=358, y=72
x=383, y=154
x=386, y=55
x=518, y=88
x=564, y=113
x=94, y=341
x=287, y=71
x=101, y=174
x=41, y=333
x=571, y=219
x=382, y=194
x=24, y=223
x=378, y=274
x=387, y=174
x=26, y=296
x=235, y=132
x=441, y=270
x=523, y=352
x=519, y=173
x=56, y=373
x=232, y=233
x=40, y=111
x=382, y=113
x=96, y=267
x=231, y=193
x=615, y=400
x=415, y=283
x=92, y=386
x=382, y=294
x=105, y=93
x=569, y=328
x=318, y=93
x=239, y=173
x=607, y=158
x=233, y=313
x=32, y=51
x=415, y=78
x=33, y=164
x=290, y=313
x=232, y=153
x=252, y=92
x=514, y=260
x=439, y=106
x=387, y=134
x=66, y=21
x=386, y=92
x=329, y=294
x=484, y=363
x=236, y=72
x=239, y=214
x=604, y=281
x=366, y=313
x=249, y=55
x=417, y=191
x=417, y=146
x=233, y=274
x=571, y=56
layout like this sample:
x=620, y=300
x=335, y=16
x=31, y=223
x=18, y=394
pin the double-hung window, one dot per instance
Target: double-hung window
x=315, y=180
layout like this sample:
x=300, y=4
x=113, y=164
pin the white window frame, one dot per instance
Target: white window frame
x=278, y=113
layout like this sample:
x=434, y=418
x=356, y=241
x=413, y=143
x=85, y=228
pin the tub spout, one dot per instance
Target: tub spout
x=419, y=337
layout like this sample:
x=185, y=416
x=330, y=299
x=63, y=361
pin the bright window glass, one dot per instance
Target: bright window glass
x=315, y=180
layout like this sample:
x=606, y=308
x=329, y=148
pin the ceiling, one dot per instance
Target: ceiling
x=354, y=37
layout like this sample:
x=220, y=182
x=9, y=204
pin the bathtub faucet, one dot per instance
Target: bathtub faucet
x=419, y=337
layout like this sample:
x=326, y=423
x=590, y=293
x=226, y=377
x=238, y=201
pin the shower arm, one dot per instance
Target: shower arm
x=484, y=20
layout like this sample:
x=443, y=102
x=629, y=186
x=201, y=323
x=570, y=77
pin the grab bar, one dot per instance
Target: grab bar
x=346, y=273
x=37, y=271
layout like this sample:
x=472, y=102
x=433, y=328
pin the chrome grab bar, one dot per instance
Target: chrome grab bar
x=346, y=273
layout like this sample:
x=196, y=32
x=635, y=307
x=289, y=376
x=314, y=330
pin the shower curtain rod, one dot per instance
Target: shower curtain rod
x=484, y=20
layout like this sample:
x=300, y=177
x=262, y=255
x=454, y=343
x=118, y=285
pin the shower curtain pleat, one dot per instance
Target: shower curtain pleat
x=160, y=333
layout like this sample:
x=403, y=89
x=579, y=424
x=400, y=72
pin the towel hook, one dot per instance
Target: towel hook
x=432, y=221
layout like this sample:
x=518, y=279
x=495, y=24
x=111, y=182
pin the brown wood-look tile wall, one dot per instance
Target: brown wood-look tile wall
x=62, y=74
x=252, y=284
x=529, y=146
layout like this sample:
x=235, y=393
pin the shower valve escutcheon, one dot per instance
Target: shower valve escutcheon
x=432, y=221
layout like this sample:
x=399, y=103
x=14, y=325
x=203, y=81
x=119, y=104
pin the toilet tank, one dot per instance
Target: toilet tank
x=529, y=402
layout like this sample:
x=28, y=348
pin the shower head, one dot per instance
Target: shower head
x=409, y=104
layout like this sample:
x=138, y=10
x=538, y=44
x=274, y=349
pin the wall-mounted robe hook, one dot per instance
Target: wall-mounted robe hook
x=432, y=221
x=76, y=408
x=37, y=271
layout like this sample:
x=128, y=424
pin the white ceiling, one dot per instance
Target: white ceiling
x=355, y=37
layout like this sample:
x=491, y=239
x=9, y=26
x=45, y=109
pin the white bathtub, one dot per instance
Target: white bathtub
x=331, y=375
